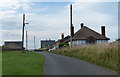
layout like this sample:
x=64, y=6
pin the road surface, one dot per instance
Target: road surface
x=62, y=65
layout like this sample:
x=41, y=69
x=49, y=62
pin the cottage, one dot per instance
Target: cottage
x=85, y=35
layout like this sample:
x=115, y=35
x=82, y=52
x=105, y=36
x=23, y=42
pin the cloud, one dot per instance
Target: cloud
x=96, y=0
x=8, y=12
x=96, y=18
x=25, y=6
x=50, y=26
x=70, y=0
x=60, y=21
x=8, y=3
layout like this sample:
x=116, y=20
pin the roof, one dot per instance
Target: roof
x=47, y=40
x=65, y=39
x=13, y=41
x=86, y=32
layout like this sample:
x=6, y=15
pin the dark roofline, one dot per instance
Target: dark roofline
x=96, y=39
x=105, y=38
x=12, y=41
x=47, y=40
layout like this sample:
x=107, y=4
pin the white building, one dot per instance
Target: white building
x=84, y=36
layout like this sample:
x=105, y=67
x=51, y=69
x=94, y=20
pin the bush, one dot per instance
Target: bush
x=63, y=45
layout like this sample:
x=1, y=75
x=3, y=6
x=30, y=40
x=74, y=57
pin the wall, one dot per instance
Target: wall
x=101, y=41
x=82, y=42
x=79, y=42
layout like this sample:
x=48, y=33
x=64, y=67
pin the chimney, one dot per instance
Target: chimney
x=103, y=30
x=72, y=30
x=82, y=24
x=62, y=36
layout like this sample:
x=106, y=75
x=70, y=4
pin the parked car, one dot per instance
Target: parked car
x=54, y=48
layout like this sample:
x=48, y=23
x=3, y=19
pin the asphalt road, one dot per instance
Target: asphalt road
x=61, y=65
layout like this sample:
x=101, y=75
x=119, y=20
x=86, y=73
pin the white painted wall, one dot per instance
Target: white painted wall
x=79, y=42
x=101, y=41
x=82, y=42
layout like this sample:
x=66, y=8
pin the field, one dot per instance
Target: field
x=0, y=63
x=17, y=63
x=105, y=55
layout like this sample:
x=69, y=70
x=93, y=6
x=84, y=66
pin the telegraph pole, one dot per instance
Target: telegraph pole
x=71, y=25
x=34, y=43
x=26, y=41
x=23, y=31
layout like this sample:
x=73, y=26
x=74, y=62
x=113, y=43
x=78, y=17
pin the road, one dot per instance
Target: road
x=62, y=65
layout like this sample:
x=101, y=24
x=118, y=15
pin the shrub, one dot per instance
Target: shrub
x=63, y=45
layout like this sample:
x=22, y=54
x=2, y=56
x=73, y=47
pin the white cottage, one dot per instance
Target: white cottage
x=86, y=35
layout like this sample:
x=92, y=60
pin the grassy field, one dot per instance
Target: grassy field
x=105, y=55
x=17, y=63
x=0, y=63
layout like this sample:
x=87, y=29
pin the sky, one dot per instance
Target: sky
x=49, y=19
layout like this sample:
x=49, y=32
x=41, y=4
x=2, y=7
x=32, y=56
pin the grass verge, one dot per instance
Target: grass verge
x=105, y=55
x=17, y=63
x=0, y=63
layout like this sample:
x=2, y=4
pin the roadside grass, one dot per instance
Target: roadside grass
x=0, y=63
x=17, y=63
x=105, y=55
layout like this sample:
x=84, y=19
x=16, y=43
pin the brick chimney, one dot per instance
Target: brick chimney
x=82, y=24
x=72, y=30
x=103, y=30
x=62, y=36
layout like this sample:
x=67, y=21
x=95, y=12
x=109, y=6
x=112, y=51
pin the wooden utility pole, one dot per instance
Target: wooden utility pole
x=71, y=25
x=23, y=31
x=26, y=41
x=34, y=43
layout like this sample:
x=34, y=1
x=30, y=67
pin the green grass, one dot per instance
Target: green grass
x=17, y=63
x=105, y=55
x=0, y=63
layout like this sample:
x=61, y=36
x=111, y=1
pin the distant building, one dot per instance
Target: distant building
x=13, y=44
x=47, y=43
x=84, y=36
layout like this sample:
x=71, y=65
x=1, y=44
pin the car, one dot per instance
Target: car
x=54, y=48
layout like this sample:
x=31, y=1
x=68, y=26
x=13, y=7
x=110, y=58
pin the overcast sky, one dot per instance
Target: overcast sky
x=47, y=20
